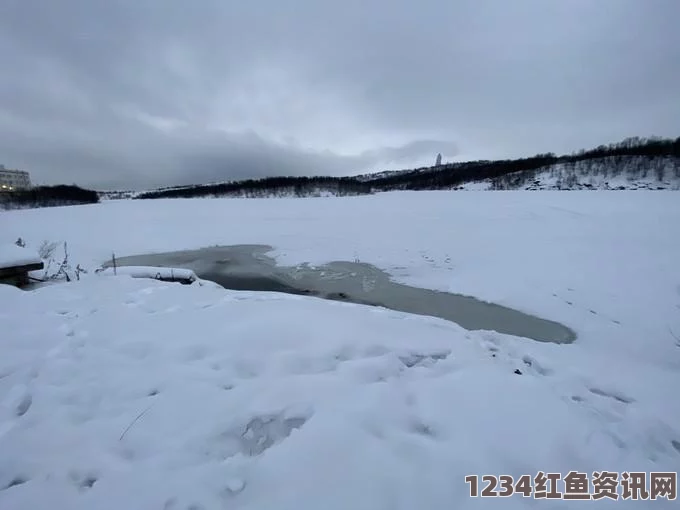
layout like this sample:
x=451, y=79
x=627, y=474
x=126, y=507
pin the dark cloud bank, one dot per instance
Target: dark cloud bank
x=129, y=93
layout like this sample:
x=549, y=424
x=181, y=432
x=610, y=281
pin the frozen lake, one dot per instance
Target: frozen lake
x=132, y=393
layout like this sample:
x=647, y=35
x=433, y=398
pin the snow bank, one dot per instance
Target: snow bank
x=13, y=255
x=126, y=393
x=158, y=273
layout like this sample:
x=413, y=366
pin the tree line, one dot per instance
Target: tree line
x=426, y=178
x=651, y=155
x=47, y=196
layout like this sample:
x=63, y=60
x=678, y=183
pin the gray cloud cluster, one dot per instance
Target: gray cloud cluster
x=139, y=93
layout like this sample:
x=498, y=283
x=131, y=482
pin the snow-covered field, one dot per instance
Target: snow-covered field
x=118, y=392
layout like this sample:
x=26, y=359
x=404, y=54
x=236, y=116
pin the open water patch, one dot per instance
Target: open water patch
x=248, y=267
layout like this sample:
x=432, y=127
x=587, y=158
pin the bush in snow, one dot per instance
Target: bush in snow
x=46, y=250
x=55, y=270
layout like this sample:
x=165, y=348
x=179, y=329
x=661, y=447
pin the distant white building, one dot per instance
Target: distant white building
x=13, y=179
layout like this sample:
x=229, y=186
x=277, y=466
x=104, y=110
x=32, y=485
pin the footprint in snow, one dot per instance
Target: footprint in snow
x=675, y=444
x=537, y=366
x=234, y=486
x=620, y=397
x=422, y=429
x=83, y=481
x=24, y=405
x=17, y=480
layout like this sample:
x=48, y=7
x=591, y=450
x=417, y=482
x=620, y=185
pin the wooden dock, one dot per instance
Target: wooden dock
x=18, y=275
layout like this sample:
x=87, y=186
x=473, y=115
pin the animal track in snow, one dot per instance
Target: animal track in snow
x=590, y=310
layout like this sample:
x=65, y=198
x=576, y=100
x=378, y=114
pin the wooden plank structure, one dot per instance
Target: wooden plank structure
x=17, y=275
x=16, y=261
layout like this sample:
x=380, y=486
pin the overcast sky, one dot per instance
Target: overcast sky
x=138, y=93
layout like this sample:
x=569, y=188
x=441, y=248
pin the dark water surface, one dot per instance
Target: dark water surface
x=247, y=267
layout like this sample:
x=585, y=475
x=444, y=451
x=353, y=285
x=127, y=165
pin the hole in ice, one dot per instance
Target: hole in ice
x=249, y=268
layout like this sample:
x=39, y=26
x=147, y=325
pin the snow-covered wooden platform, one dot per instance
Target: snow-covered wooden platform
x=16, y=262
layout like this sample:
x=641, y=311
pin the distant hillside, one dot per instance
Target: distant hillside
x=609, y=173
x=117, y=195
x=634, y=163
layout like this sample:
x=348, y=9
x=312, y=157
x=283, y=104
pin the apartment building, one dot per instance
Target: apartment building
x=13, y=179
